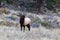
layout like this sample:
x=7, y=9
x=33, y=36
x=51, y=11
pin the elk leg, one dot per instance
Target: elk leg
x=21, y=27
x=28, y=27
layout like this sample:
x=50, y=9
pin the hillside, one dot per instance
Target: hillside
x=43, y=27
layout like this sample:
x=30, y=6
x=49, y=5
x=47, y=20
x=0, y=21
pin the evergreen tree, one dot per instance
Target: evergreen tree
x=7, y=1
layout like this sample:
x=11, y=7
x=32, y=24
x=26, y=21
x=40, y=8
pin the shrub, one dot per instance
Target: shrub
x=4, y=10
x=45, y=23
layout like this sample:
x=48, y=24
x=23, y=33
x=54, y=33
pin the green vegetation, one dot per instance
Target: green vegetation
x=41, y=22
x=37, y=4
x=31, y=5
x=7, y=1
x=35, y=19
x=49, y=4
x=45, y=23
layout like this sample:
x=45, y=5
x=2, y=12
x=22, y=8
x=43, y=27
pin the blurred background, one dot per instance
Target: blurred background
x=45, y=16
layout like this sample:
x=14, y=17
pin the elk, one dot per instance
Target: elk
x=25, y=22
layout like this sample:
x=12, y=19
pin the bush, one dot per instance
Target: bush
x=35, y=19
x=4, y=10
x=45, y=23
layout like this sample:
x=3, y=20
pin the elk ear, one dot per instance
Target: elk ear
x=20, y=14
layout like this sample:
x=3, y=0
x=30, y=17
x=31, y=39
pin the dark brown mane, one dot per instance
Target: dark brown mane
x=22, y=19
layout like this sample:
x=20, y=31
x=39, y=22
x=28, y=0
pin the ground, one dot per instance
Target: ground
x=13, y=31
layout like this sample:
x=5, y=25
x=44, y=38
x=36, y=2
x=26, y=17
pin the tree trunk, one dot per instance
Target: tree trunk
x=0, y=5
x=39, y=3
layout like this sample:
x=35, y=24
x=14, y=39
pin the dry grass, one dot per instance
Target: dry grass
x=4, y=10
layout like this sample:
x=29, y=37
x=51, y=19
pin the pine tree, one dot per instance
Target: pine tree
x=7, y=1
